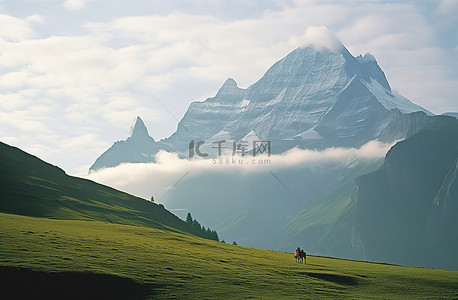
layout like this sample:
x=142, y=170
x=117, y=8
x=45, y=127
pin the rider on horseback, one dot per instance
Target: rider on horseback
x=300, y=255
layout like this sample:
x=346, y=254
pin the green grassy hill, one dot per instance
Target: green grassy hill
x=68, y=238
x=32, y=187
x=86, y=256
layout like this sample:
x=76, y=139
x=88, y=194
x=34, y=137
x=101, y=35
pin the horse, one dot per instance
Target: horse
x=300, y=255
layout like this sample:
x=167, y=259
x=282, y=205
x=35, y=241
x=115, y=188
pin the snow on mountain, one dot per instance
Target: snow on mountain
x=391, y=100
x=319, y=95
x=309, y=134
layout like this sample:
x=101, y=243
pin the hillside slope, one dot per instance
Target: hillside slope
x=32, y=187
x=405, y=212
x=140, y=262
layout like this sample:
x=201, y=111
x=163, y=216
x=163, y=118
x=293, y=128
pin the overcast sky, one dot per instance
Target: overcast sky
x=75, y=74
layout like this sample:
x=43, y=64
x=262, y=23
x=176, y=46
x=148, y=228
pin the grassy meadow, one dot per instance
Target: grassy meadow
x=170, y=264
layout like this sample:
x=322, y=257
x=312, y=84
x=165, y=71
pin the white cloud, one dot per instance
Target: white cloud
x=319, y=37
x=38, y=19
x=30, y=120
x=145, y=179
x=14, y=29
x=30, y=126
x=9, y=139
x=448, y=8
x=14, y=102
x=80, y=141
x=75, y=4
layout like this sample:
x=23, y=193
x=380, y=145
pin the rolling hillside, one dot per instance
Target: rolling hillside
x=77, y=259
x=69, y=238
x=32, y=187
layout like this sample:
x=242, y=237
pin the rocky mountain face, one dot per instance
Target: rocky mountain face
x=439, y=240
x=309, y=99
x=406, y=212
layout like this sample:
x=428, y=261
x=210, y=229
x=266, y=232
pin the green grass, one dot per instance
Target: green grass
x=32, y=187
x=181, y=265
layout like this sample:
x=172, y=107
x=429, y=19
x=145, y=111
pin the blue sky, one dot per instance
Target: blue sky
x=75, y=74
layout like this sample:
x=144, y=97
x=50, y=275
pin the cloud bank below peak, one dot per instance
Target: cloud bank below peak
x=146, y=179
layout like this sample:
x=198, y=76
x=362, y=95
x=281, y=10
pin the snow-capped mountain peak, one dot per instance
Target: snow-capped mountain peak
x=317, y=96
x=319, y=38
x=393, y=100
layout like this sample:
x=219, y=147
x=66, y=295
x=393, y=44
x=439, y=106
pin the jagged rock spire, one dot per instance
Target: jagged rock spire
x=139, y=129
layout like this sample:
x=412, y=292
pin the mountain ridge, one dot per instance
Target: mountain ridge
x=294, y=95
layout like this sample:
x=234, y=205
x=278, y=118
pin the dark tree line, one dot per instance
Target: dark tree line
x=208, y=233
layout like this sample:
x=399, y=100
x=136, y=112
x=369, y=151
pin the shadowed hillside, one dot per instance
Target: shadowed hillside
x=32, y=187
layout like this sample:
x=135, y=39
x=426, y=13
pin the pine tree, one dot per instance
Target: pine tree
x=196, y=224
x=207, y=232
x=189, y=218
x=215, y=235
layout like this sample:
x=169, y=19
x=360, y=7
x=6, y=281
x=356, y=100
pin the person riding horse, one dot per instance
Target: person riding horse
x=300, y=255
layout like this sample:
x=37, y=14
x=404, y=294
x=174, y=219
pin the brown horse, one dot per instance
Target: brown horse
x=300, y=255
